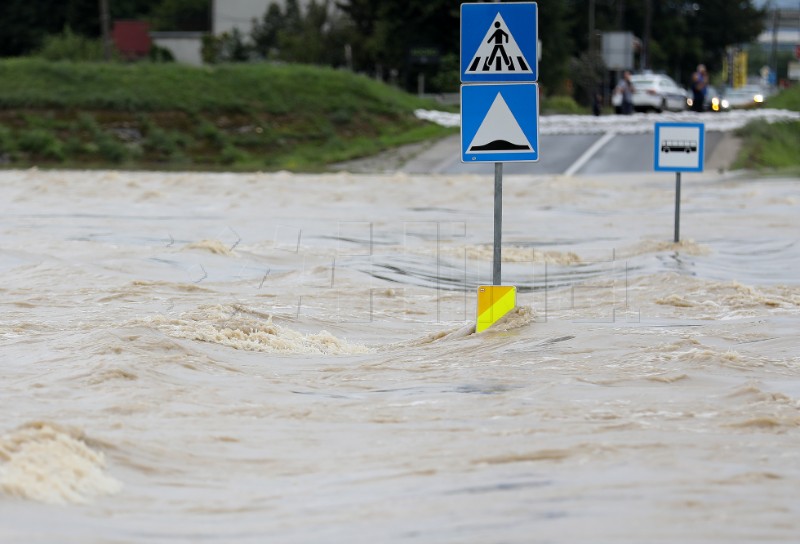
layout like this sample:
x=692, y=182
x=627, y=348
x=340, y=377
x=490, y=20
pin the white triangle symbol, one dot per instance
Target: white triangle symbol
x=499, y=52
x=500, y=132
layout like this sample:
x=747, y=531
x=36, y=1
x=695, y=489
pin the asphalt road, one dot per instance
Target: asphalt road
x=575, y=154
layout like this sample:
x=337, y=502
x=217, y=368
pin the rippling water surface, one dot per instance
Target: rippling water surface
x=289, y=358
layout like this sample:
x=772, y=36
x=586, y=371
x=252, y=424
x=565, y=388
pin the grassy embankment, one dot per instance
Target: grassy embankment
x=776, y=145
x=168, y=116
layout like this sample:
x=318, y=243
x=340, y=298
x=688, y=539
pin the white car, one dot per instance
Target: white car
x=657, y=92
x=749, y=96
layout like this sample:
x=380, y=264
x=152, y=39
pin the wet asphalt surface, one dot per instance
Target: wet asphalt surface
x=624, y=153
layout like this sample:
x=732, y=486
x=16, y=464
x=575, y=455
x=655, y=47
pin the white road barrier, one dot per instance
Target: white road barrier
x=640, y=123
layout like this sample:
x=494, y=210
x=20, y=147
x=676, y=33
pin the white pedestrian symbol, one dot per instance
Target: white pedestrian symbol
x=499, y=53
x=500, y=132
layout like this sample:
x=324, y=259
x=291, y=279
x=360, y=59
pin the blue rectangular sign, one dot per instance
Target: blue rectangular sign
x=499, y=42
x=500, y=123
x=679, y=147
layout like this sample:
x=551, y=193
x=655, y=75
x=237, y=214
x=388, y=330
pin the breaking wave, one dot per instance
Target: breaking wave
x=49, y=463
x=238, y=327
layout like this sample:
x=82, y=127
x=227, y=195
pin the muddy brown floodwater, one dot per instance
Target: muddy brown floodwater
x=289, y=358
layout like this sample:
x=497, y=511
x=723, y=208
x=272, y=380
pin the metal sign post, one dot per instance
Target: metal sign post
x=499, y=114
x=677, y=207
x=498, y=223
x=679, y=147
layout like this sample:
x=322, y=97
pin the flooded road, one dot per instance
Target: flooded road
x=290, y=358
x=588, y=145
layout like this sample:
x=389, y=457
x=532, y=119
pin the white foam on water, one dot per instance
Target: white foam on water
x=237, y=327
x=212, y=246
x=49, y=463
x=516, y=254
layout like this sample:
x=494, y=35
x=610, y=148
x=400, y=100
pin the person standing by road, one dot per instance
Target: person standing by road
x=597, y=102
x=624, y=91
x=699, y=88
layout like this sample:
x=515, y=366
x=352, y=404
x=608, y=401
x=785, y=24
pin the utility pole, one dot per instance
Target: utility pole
x=773, y=64
x=620, y=14
x=212, y=16
x=648, y=25
x=105, y=29
x=591, y=26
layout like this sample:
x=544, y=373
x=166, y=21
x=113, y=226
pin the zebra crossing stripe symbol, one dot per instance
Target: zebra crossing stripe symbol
x=499, y=52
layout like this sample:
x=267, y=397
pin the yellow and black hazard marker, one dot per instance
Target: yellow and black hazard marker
x=494, y=302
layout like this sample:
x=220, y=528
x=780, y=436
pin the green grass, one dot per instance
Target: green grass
x=240, y=117
x=788, y=99
x=769, y=146
x=267, y=88
x=773, y=146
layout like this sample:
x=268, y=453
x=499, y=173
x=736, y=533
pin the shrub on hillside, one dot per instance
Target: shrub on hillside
x=42, y=143
x=6, y=140
x=562, y=105
x=71, y=46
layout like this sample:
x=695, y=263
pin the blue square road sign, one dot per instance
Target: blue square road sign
x=500, y=122
x=679, y=147
x=499, y=42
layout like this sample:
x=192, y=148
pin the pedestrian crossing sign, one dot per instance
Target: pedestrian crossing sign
x=500, y=122
x=499, y=42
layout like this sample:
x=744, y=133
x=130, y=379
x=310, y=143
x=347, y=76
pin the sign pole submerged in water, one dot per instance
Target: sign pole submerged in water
x=677, y=207
x=499, y=115
x=678, y=147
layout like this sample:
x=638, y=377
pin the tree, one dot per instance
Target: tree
x=20, y=31
x=686, y=32
x=25, y=23
x=265, y=32
x=312, y=36
x=389, y=29
x=309, y=37
x=184, y=15
x=557, y=45
x=722, y=23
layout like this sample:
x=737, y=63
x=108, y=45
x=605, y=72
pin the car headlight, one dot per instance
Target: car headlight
x=725, y=104
x=758, y=99
x=715, y=101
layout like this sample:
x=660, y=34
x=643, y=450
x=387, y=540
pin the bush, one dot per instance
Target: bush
x=160, y=54
x=561, y=104
x=41, y=143
x=448, y=77
x=71, y=46
x=112, y=150
x=6, y=140
x=169, y=144
x=231, y=155
x=208, y=131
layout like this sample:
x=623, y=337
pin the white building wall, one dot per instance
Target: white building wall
x=785, y=38
x=186, y=47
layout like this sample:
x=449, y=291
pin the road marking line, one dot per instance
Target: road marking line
x=589, y=153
